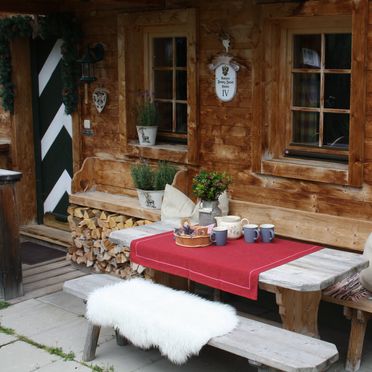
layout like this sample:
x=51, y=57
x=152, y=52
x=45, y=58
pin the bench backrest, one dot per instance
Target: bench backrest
x=113, y=176
x=323, y=229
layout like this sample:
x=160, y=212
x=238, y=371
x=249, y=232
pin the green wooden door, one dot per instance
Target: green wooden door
x=53, y=130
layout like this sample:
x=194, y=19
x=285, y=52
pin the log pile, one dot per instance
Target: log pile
x=90, y=230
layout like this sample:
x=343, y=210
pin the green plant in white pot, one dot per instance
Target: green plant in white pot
x=150, y=182
x=147, y=121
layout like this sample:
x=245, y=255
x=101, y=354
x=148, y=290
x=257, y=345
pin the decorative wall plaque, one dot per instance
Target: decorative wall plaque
x=225, y=73
x=225, y=77
x=100, y=98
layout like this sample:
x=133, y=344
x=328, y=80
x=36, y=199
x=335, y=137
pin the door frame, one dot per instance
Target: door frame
x=22, y=135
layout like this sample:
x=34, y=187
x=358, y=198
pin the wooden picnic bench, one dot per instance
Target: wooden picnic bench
x=297, y=284
x=106, y=184
x=263, y=345
x=327, y=230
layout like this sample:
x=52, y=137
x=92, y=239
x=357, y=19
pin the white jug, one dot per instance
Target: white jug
x=234, y=225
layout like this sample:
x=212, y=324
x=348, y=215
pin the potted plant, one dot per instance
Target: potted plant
x=208, y=186
x=147, y=121
x=150, y=182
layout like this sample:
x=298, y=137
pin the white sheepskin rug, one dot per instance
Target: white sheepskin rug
x=149, y=314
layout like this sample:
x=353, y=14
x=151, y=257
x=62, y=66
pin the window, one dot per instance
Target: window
x=168, y=70
x=320, y=88
x=310, y=120
x=157, y=53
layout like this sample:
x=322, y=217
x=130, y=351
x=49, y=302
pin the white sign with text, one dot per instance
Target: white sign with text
x=225, y=70
x=225, y=82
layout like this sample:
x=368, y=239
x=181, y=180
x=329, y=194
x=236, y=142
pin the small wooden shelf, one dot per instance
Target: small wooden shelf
x=121, y=204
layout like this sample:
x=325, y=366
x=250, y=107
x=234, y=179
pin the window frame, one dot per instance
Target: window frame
x=150, y=35
x=322, y=72
x=133, y=78
x=271, y=113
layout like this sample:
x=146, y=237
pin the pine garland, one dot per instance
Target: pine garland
x=53, y=26
x=65, y=26
x=9, y=29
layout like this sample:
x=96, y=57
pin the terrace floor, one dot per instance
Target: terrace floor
x=56, y=320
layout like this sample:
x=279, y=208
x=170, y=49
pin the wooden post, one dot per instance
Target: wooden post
x=10, y=257
x=298, y=310
x=359, y=321
x=91, y=341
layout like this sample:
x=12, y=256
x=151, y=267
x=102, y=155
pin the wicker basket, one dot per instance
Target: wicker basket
x=197, y=241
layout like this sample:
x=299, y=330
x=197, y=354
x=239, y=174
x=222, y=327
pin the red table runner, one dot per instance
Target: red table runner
x=232, y=268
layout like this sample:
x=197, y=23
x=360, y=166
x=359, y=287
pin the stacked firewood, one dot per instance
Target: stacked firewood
x=90, y=230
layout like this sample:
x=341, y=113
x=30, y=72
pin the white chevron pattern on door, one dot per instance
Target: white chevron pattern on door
x=63, y=185
x=59, y=121
x=50, y=65
x=56, y=177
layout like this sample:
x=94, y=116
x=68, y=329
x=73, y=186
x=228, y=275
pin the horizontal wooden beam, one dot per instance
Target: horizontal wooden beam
x=51, y=6
x=29, y=7
x=278, y=1
x=320, y=228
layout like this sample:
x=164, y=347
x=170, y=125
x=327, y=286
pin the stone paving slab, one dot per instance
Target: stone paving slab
x=38, y=317
x=124, y=358
x=65, y=366
x=71, y=336
x=22, y=357
x=65, y=301
x=5, y=339
x=21, y=307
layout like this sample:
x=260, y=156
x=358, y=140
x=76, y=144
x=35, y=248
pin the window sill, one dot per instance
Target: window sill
x=310, y=170
x=176, y=153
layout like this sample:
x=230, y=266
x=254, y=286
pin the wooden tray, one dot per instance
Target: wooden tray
x=193, y=242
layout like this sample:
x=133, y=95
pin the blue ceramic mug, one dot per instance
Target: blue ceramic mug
x=219, y=235
x=251, y=233
x=267, y=232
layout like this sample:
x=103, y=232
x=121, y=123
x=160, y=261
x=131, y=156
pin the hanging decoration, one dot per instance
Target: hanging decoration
x=61, y=25
x=100, y=99
x=225, y=69
x=9, y=29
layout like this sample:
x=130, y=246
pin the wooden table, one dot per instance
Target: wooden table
x=297, y=285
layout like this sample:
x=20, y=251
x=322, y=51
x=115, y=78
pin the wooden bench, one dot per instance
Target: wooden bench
x=359, y=312
x=265, y=346
x=316, y=227
x=106, y=184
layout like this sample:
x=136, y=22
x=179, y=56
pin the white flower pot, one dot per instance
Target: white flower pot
x=150, y=199
x=147, y=135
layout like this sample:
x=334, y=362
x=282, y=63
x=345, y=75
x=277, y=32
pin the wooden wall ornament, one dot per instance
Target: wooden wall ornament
x=225, y=69
x=100, y=99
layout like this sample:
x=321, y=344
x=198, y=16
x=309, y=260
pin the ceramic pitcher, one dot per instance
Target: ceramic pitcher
x=234, y=225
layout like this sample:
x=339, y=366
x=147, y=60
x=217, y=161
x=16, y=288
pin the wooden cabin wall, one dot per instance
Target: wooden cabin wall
x=102, y=28
x=228, y=131
x=5, y=127
x=4, y=139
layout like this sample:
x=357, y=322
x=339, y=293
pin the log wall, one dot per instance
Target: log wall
x=4, y=139
x=4, y=125
x=227, y=130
